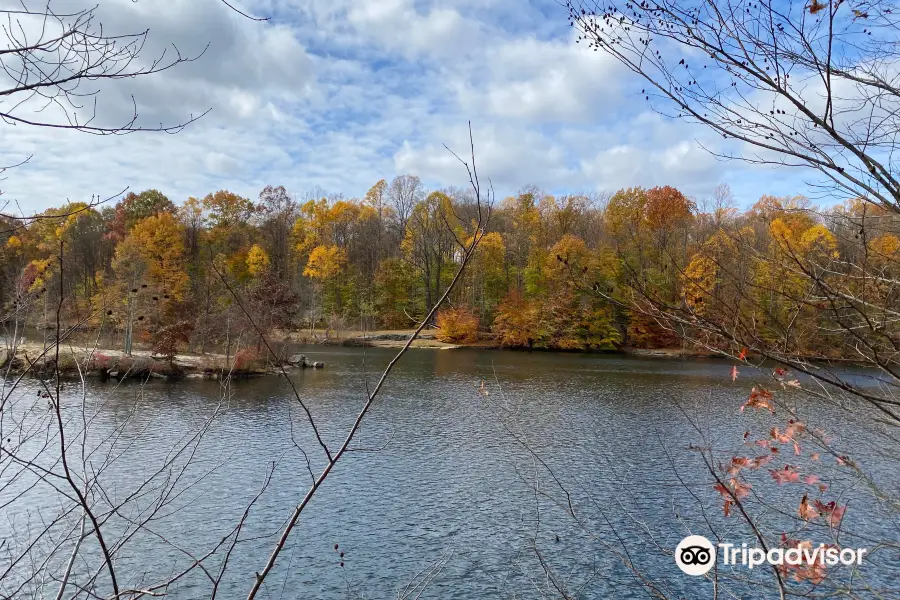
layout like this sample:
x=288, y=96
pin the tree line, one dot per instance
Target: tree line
x=553, y=272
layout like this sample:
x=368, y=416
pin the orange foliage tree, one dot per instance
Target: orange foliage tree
x=456, y=324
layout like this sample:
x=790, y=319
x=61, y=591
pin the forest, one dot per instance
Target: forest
x=554, y=272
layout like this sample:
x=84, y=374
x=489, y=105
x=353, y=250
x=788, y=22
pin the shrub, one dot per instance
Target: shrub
x=67, y=363
x=517, y=324
x=457, y=325
x=644, y=332
x=100, y=361
x=248, y=360
x=168, y=339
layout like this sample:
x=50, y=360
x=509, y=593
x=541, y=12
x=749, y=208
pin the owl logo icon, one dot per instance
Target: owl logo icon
x=695, y=555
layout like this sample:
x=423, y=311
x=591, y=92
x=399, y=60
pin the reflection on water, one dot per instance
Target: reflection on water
x=439, y=473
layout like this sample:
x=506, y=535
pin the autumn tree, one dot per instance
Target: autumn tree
x=404, y=193
x=378, y=228
x=333, y=239
x=327, y=267
x=230, y=232
x=159, y=240
x=520, y=222
x=486, y=282
x=456, y=324
x=344, y=260
x=555, y=312
x=136, y=207
x=518, y=322
x=277, y=212
x=270, y=299
x=648, y=231
x=10, y=267
x=397, y=294
x=624, y=218
x=149, y=268
x=576, y=320
x=430, y=242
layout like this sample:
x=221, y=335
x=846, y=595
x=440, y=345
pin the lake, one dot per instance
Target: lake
x=448, y=486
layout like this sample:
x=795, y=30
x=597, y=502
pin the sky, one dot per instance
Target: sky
x=335, y=95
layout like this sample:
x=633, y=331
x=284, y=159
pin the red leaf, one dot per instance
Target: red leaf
x=759, y=461
x=831, y=511
x=807, y=512
x=759, y=398
x=737, y=463
x=788, y=474
x=740, y=489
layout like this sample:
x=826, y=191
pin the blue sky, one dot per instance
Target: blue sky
x=337, y=94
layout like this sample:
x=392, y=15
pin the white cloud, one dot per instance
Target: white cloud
x=397, y=25
x=339, y=94
x=682, y=164
x=539, y=80
x=221, y=164
x=507, y=155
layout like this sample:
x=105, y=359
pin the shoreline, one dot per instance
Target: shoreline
x=397, y=339
x=104, y=363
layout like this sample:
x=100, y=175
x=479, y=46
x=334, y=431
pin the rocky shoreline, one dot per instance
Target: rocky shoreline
x=141, y=365
x=106, y=364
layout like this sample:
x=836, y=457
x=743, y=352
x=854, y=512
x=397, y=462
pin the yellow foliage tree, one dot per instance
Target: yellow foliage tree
x=487, y=273
x=457, y=324
x=886, y=247
x=325, y=262
x=159, y=241
x=257, y=261
x=699, y=280
x=518, y=322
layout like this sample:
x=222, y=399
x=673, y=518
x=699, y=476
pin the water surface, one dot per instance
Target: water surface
x=442, y=473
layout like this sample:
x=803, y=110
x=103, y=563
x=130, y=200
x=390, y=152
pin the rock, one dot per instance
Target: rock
x=297, y=359
x=4, y=356
x=195, y=376
x=158, y=375
x=114, y=374
x=318, y=365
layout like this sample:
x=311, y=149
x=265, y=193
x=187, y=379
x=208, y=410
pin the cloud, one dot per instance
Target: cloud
x=602, y=158
x=437, y=32
x=544, y=81
x=506, y=155
x=682, y=164
x=339, y=94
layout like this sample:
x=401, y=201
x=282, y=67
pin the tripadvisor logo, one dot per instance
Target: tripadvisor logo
x=696, y=555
